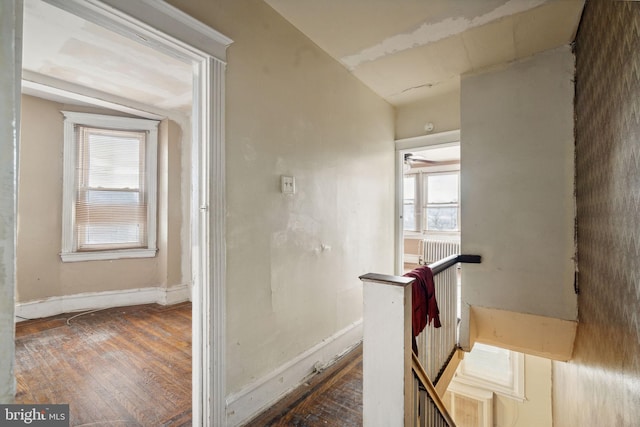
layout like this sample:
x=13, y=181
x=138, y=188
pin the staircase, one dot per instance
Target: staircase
x=397, y=389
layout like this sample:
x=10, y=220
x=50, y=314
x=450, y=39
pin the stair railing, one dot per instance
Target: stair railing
x=389, y=379
x=427, y=409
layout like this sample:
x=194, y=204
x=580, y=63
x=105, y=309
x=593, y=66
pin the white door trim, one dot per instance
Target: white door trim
x=166, y=28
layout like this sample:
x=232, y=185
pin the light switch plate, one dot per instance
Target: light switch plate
x=288, y=184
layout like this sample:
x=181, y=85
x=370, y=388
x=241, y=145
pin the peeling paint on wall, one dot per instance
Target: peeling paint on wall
x=432, y=32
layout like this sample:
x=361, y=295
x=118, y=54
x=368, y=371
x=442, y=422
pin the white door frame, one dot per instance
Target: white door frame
x=404, y=146
x=173, y=32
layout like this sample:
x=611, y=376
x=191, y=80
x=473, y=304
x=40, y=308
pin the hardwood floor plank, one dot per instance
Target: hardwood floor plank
x=131, y=366
x=126, y=366
x=332, y=398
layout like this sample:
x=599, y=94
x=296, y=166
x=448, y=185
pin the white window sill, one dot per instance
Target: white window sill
x=107, y=255
x=448, y=235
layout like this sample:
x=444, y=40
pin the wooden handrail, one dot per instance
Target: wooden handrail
x=441, y=265
x=430, y=388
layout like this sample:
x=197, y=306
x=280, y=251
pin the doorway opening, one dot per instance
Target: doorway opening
x=178, y=35
x=428, y=199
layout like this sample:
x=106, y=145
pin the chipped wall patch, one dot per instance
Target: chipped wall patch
x=432, y=32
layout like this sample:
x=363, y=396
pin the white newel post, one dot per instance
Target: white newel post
x=387, y=376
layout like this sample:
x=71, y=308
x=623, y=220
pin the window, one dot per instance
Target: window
x=109, y=193
x=431, y=201
x=409, y=213
x=493, y=368
x=442, y=201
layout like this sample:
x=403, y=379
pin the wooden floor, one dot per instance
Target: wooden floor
x=332, y=398
x=131, y=366
x=121, y=367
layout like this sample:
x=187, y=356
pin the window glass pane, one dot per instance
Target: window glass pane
x=442, y=218
x=114, y=161
x=409, y=187
x=489, y=363
x=442, y=188
x=409, y=209
x=409, y=217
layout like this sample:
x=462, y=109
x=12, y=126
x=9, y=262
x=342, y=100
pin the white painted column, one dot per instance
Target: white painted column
x=10, y=69
x=386, y=350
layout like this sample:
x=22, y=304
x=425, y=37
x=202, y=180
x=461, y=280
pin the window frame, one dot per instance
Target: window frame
x=513, y=388
x=70, y=252
x=421, y=200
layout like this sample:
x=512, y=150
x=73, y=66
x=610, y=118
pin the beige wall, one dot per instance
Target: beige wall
x=443, y=110
x=536, y=409
x=517, y=190
x=292, y=110
x=40, y=272
x=173, y=194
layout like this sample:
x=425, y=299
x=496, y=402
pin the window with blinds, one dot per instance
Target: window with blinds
x=109, y=206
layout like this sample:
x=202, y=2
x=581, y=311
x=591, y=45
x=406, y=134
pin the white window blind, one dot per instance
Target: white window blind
x=109, y=206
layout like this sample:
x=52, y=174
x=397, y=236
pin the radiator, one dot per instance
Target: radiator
x=434, y=250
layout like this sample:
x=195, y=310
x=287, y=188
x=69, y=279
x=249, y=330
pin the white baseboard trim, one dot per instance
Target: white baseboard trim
x=175, y=294
x=94, y=300
x=264, y=392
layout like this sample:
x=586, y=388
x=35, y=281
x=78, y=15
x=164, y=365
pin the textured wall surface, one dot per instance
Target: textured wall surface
x=517, y=154
x=293, y=261
x=10, y=23
x=601, y=385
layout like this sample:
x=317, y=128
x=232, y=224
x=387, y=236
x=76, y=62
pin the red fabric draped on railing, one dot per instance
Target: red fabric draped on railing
x=424, y=303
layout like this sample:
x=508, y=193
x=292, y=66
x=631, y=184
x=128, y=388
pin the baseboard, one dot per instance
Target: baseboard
x=175, y=294
x=261, y=394
x=92, y=300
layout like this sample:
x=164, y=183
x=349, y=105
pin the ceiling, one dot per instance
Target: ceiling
x=433, y=156
x=61, y=50
x=404, y=50
x=408, y=50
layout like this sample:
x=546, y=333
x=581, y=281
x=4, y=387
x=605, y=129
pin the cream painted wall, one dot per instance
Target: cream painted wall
x=536, y=409
x=293, y=261
x=443, y=110
x=40, y=272
x=171, y=199
x=10, y=69
x=517, y=187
